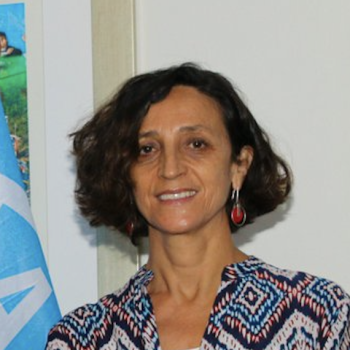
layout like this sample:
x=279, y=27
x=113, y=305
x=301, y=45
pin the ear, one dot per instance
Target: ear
x=239, y=169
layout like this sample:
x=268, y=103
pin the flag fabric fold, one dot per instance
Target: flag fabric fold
x=28, y=305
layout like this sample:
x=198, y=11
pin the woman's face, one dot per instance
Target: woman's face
x=183, y=174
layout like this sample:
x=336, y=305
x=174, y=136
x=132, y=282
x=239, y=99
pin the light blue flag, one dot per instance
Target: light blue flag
x=28, y=306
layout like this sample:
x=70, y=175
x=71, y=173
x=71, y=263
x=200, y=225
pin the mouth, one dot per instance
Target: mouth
x=171, y=196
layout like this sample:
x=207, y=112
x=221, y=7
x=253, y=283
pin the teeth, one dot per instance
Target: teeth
x=180, y=195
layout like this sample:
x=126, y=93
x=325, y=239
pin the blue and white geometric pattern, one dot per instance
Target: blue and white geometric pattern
x=258, y=306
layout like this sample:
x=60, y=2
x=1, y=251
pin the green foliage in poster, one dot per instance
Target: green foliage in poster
x=13, y=93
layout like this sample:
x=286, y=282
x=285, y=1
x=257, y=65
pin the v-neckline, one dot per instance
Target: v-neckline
x=229, y=274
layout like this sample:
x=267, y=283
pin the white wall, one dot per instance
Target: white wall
x=68, y=98
x=292, y=61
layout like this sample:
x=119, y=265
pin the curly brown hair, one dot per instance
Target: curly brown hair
x=107, y=146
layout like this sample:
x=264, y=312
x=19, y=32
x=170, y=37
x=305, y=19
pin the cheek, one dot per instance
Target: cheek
x=219, y=172
x=136, y=178
x=222, y=189
x=141, y=191
x=217, y=186
x=222, y=182
x=140, y=201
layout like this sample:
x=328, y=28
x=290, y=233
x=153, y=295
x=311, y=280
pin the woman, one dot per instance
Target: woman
x=177, y=156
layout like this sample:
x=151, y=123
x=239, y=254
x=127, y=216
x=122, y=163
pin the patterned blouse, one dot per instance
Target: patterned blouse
x=258, y=306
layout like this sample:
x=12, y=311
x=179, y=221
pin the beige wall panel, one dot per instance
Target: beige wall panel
x=113, y=63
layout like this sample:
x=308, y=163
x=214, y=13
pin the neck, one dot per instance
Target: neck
x=187, y=264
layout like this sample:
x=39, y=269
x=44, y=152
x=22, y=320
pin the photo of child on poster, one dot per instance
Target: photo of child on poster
x=13, y=81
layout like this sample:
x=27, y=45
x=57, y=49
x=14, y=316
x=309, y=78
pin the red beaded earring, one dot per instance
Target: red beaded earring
x=238, y=213
x=130, y=228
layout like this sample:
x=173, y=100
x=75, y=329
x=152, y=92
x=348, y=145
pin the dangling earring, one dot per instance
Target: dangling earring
x=238, y=213
x=130, y=228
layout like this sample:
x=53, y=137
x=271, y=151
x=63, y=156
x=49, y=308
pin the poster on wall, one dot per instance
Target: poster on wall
x=13, y=81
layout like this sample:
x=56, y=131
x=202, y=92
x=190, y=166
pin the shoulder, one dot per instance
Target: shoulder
x=306, y=287
x=14, y=51
x=93, y=325
x=90, y=321
x=315, y=299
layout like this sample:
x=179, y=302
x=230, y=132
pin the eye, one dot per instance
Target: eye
x=198, y=144
x=146, y=149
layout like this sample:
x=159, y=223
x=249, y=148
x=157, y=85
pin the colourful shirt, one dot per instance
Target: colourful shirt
x=258, y=306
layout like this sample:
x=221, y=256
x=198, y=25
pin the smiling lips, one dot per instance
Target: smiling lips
x=171, y=196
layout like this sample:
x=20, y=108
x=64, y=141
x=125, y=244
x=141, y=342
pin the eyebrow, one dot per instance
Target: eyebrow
x=183, y=129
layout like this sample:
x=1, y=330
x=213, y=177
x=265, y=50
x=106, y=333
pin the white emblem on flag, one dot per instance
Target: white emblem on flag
x=12, y=323
x=13, y=195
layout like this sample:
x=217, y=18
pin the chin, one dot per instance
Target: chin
x=177, y=228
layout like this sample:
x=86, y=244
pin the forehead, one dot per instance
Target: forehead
x=184, y=106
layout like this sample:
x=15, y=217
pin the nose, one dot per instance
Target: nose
x=171, y=164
